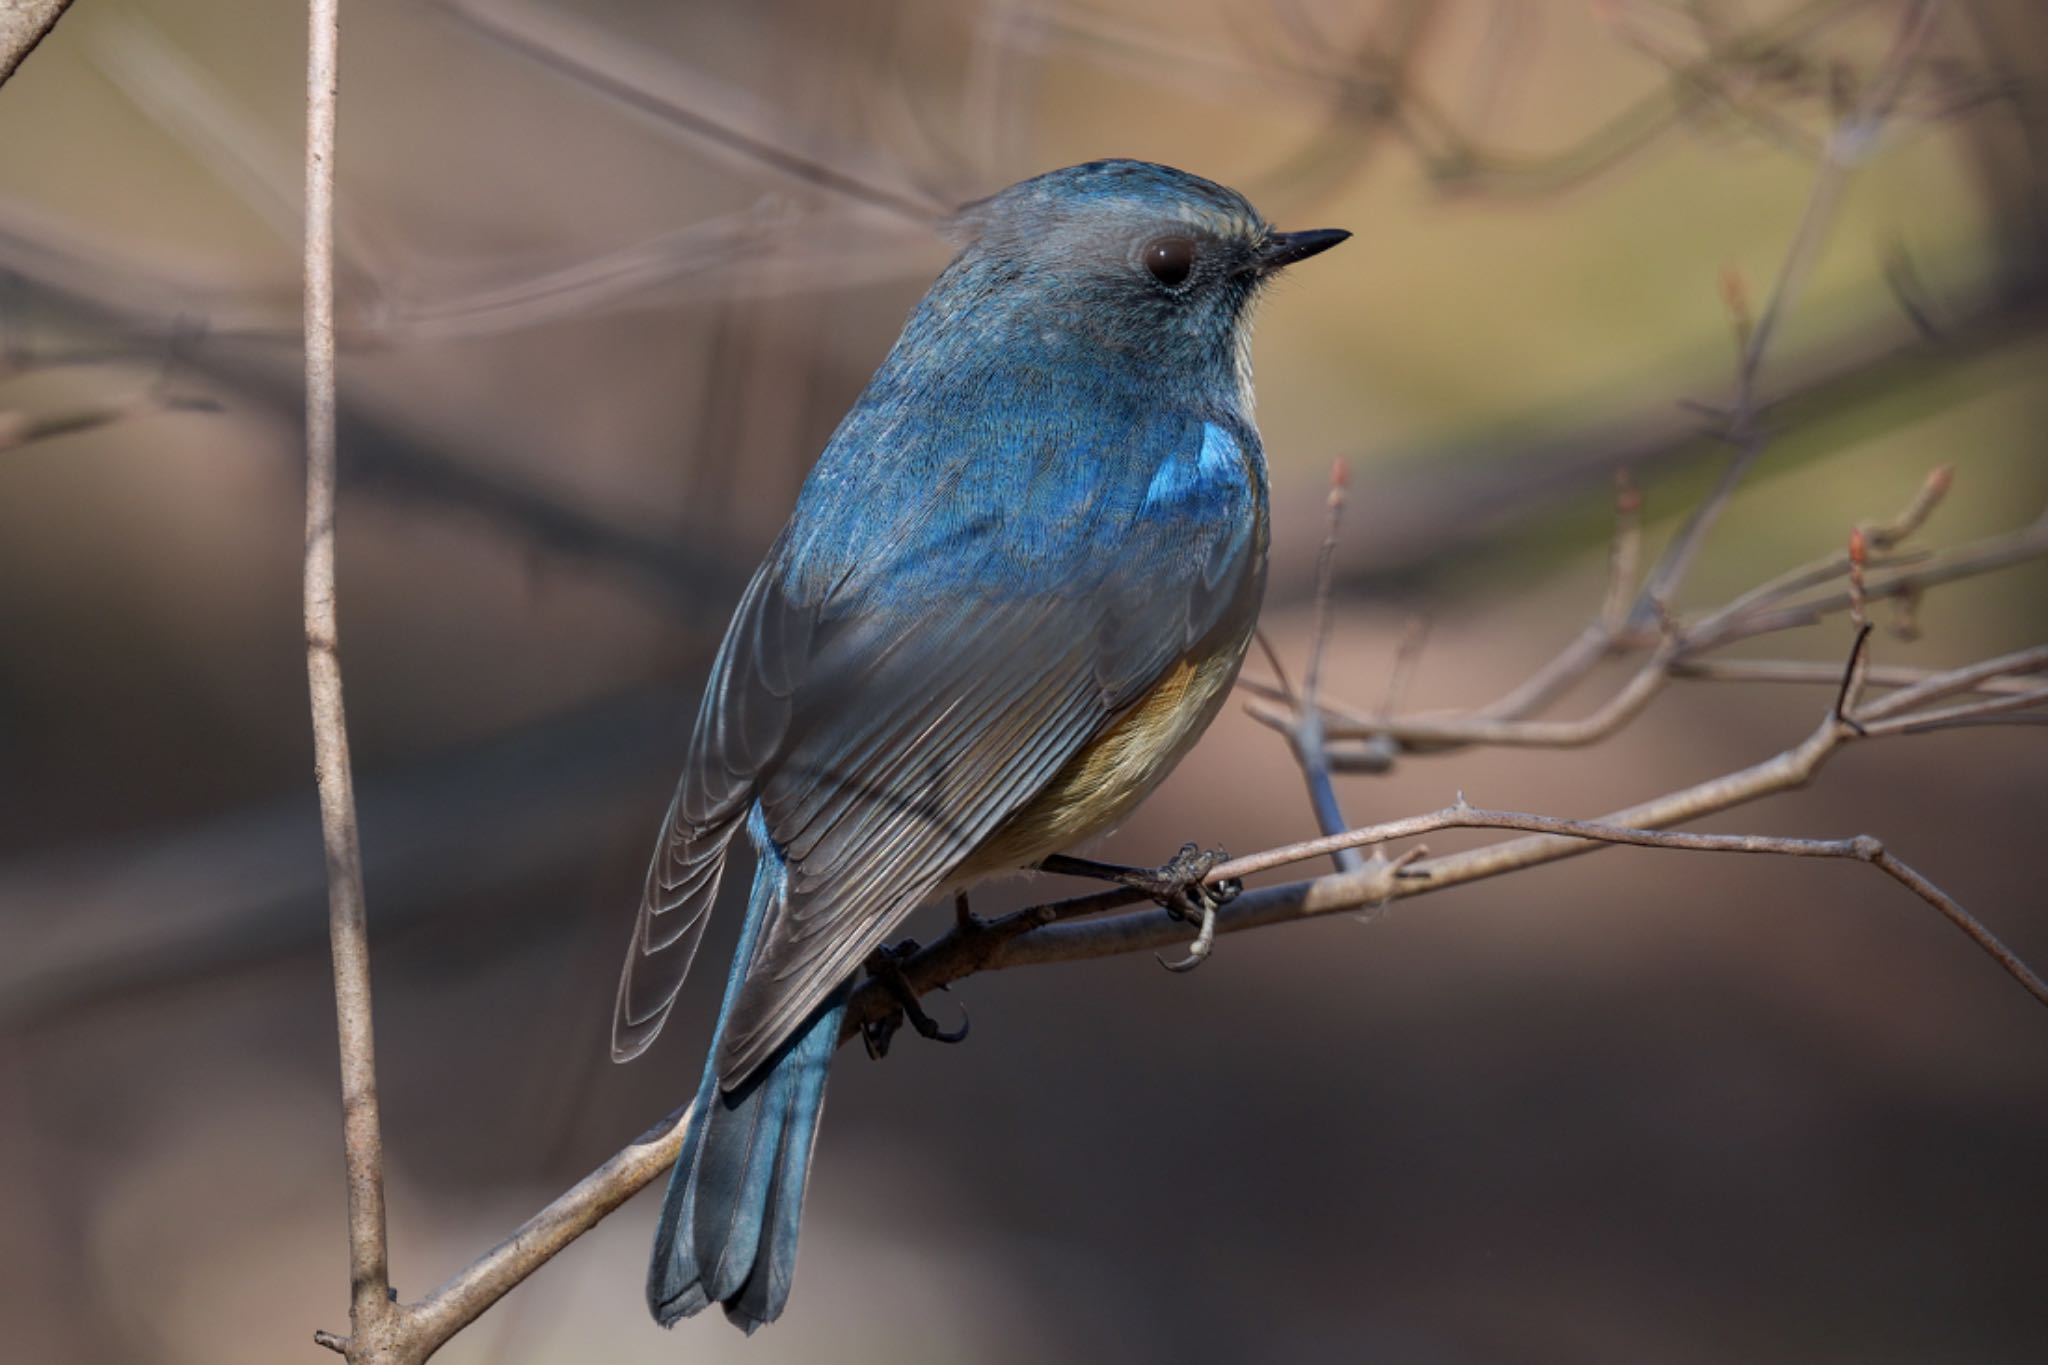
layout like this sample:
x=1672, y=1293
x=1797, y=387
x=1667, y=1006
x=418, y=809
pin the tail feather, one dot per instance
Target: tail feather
x=735, y=1180
x=675, y=1289
x=730, y=1218
x=766, y=1289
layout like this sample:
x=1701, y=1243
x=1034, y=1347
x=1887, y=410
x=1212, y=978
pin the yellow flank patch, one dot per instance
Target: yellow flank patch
x=1141, y=733
x=1103, y=781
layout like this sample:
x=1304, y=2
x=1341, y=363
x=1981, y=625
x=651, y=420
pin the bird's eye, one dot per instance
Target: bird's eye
x=1169, y=259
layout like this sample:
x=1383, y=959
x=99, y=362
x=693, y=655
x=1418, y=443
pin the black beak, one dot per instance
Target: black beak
x=1285, y=248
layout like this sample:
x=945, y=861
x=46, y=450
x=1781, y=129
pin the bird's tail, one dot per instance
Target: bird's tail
x=729, y=1220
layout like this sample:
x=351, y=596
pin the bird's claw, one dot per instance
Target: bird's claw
x=1198, y=951
x=885, y=965
x=1181, y=886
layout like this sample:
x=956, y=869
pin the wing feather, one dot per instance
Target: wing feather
x=894, y=686
x=739, y=729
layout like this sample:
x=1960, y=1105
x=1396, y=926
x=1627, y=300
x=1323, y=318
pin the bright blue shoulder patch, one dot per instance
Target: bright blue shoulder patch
x=1217, y=467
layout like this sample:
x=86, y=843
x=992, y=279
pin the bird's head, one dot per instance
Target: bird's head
x=1151, y=263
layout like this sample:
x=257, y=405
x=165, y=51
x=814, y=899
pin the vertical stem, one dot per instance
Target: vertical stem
x=1311, y=747
x=362, y=1138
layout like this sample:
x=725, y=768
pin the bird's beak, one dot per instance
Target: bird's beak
x=1285, y=248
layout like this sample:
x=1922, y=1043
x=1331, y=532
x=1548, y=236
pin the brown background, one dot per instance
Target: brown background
x=1647, y=1106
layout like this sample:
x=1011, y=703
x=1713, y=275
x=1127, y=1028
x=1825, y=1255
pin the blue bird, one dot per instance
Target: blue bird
x=1016, y=588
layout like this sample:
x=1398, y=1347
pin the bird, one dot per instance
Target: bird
x=1015, y=588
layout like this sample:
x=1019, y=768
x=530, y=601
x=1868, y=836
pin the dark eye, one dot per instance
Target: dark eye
x=1169, y=259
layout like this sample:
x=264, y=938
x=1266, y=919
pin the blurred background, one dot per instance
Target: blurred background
x=612, y=271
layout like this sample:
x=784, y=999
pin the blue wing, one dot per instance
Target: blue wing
x=935, y=634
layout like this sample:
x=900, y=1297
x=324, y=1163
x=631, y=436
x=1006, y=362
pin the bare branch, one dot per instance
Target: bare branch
x=2000, y=673
x=1963, y=561
x=1624, y=553
x=178, y=96
x=1974, y=711
x=1304, y=723
x=22, y=25
x=1849, y=147
x=628, y=75
x=1681, y=645
x=1376, y=883
x=1605, y=635
x=1366, y=88
x=1854, y=138
x=370, y=1309
x=1881, y=536
x=1422, y=733
x=1810, y=671
x=18, y=428
x=1555, y=678
x=462, y=1300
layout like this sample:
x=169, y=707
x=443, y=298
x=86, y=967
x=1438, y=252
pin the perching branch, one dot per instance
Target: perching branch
x=1080, y=929
x=1043, y=933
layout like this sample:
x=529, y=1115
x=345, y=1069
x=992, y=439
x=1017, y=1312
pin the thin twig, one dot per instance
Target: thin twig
x=2005, y=669
x=1624, y=554
x=1454, y=159
x=1554, y=678
x=629, y=75
x=370, y=1310
x=1280, y=686
x=1421, y=733
x=1325, y=598
x=1305, y=731
x=1847, y=149
x=1407, y=657
x=1924, y=722
x=1880, y=536
x=1813, y=671
x=1947, y=566
x=23, y=24
x=1679, y=655
x=1739, y=422
x=18, y=428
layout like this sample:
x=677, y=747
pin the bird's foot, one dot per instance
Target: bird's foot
x=885, y=965
x=1180, y=885
x=1189, y=895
